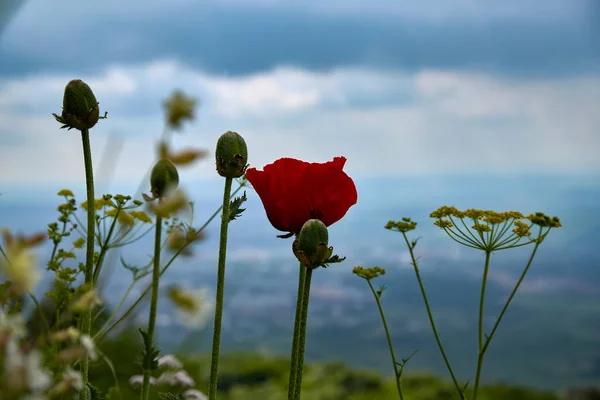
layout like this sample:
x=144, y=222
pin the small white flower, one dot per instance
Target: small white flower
x=184, y=379
x=90, y=347
x=13, y=325
x=27, y=366
x=38, y=378
x=136, y=381
x=167, y=378
x=13, y=359
x=170, y=361
x=179, y=378
x=193, y=394
x=74, y=378
x=69, y=334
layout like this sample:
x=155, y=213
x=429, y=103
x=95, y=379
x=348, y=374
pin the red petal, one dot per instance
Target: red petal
x=293, y=191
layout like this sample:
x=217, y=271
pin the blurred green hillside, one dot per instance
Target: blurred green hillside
x=256, y=377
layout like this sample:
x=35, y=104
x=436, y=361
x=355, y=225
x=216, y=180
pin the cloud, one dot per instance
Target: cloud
x=533, y=37
x=383, y=122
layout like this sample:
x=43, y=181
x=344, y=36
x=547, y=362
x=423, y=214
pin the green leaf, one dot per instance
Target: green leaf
x=466, y=385
x=4, y=292
x=95, y=393
x=134, y=270
x=234, y=207
x=113, y=393
x=149, y=354
x=170, y=396
x=332, y=260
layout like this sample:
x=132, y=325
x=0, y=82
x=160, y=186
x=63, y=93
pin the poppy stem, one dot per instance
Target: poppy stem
x=294, y=358
x=153, y=306
x=214, y=366
x=302, y=334
x=86, y=324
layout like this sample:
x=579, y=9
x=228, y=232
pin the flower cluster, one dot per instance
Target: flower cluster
x=490, y=229
x=368, y=273
x=24, y=374
x=403, y=226
x=173, y=378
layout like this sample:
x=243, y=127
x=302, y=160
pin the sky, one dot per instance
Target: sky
x=426, y=87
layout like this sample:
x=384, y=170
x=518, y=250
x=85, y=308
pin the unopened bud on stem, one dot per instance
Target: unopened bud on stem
x=311, y=246
x=80, y=108
x=164, y=177
x=231, y=155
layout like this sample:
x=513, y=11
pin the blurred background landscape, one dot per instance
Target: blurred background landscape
x=548, y=339
x=474, y=104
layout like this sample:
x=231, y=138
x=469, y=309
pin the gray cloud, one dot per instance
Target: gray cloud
x=444, y=122
x=532, y=38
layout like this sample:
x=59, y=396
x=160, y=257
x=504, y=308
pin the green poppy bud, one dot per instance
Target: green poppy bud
x=311, y=246
x=164, y=177
x=80, y=108
x=231, y=155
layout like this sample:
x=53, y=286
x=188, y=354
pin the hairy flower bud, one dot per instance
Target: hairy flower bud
x=164, y=177
x=311, y=246
x=231, y=155
x=80, y=108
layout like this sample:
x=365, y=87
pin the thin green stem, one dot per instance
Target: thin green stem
x=55, y=247
x=294, y=357
x=513, y=245
x=39, y=309
x=389, y=339
x=454, y=236
x=105, y=246
x=216, y=344
x=116, y=310
x=113, y=371
x=430, y=315
x=121, y=243
x=486, y=269
x=89, y=256
x=500, y=232
x=4, y=254
x=103, y=332
x=514, y=238
x=153, y=306
x=480, y=352
x=302, y=334
x=473, y=239
x=512, y=295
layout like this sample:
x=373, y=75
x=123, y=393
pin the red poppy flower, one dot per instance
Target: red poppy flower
x=294, y=191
